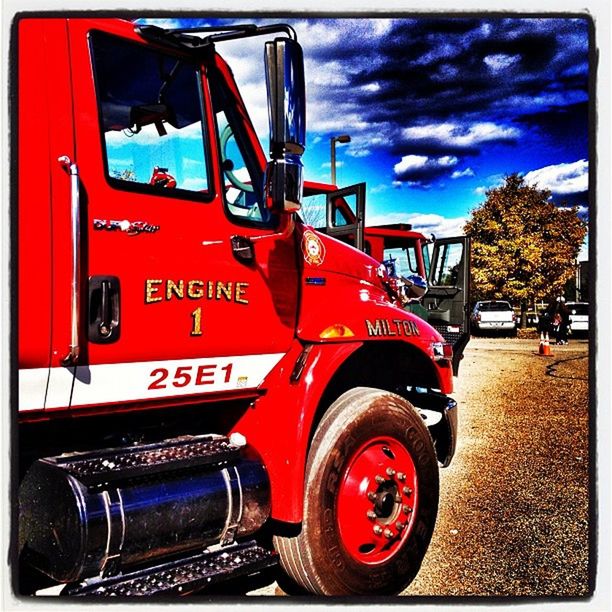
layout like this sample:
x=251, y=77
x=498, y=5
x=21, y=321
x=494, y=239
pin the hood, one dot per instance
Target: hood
x=324, y=255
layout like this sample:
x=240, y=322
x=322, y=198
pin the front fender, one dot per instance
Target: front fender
x=346, y=309
x=278, y=425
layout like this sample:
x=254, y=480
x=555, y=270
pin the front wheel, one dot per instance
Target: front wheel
x=371, y=499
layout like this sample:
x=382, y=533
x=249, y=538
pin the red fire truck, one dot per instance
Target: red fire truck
x=205, y=386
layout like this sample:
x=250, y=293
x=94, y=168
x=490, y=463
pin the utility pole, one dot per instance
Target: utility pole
x=343, y=139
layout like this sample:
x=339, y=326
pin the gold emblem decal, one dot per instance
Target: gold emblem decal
x=313, y=248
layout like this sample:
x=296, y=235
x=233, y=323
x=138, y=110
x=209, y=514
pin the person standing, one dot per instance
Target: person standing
x=563, y=318
x=557, y=315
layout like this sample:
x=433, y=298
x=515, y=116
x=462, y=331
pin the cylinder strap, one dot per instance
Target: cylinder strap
x=116, y=531
x=234, y=509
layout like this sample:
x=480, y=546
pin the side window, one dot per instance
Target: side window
x=345, y=210
x=313, y=210
x=447, y=265
x=412, y=260
x=151, y=114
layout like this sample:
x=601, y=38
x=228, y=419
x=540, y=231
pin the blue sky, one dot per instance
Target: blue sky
x=438, y=109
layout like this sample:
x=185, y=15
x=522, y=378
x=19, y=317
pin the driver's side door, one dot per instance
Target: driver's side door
x=171, y=308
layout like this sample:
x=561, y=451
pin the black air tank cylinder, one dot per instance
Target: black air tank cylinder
x=86, y=514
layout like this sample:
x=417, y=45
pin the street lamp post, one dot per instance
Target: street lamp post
x=344, y=138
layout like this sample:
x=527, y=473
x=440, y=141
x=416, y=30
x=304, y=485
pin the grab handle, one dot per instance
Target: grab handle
x=75, y=301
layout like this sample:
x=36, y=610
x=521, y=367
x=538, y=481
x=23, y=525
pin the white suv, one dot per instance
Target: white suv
x=579, y=316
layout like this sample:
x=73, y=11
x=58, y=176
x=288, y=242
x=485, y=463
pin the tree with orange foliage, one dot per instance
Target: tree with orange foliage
x=523, y=246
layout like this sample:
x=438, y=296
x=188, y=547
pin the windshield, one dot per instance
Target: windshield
x=404, y=258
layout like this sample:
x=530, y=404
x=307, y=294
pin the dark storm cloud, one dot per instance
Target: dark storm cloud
x=447, y=67
x=515, y=72
x=475, y=69
x=569, y=121
x=579, y=200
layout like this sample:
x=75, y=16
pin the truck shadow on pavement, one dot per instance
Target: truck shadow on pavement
x=551, y=369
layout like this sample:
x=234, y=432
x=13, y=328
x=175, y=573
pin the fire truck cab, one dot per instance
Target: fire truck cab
x=205, y=386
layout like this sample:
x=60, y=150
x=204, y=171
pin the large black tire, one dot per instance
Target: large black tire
x=371, y=469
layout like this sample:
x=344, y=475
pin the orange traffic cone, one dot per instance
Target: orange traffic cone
x=544, y=348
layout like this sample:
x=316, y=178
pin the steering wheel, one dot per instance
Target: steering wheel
x=227, y=164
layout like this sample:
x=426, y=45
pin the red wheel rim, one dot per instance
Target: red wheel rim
x=377, y=500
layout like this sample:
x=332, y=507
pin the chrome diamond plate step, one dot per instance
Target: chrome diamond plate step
x=129, y=462
x=182, y=577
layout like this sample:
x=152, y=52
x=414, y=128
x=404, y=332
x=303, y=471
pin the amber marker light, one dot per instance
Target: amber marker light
x=338, y=330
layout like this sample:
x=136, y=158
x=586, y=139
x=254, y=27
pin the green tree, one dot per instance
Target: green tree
x=523, y=246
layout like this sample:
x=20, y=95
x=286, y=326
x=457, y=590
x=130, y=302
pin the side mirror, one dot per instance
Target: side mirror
x=287, y=115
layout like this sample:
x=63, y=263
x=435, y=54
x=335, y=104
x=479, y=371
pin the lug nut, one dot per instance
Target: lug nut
x=379, y=479
x=371, y=515
x=407, y=509
x=401, y=476
x=371, y=496
x=388, y=534
x=399, y=526
x=377, y=529
x=407, y=491
x=390, y=471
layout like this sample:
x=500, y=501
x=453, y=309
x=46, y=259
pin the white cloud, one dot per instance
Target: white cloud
x=411, y=162
x=352, y=152
x=416, y=163
x=339, y=164
x=561, y=178
x=371, y=87
x=480, y=190
x=453, y=134
x=500, y=61
x=461, y=173
x=166, y=24
x=148, y=135
x=194, y=184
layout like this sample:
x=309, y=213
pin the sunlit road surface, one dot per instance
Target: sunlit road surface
x=514, y=504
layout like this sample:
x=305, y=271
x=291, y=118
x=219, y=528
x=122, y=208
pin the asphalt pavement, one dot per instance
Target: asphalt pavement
x=514, y=504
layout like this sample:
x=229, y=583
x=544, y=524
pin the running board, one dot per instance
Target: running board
x=129, y=462
x=182, y=577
